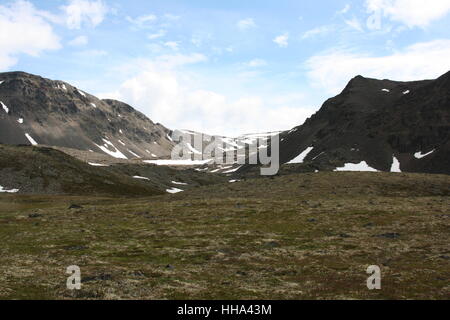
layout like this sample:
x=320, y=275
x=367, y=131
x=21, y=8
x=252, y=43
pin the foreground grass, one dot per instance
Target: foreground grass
x=305, y=236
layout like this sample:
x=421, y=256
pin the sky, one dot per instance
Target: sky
x=224, y=67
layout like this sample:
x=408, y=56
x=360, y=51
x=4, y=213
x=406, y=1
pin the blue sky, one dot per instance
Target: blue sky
x=224, y=67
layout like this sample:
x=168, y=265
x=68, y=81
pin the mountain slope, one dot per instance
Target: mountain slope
x=379, y=124
x=42, y=170
x=54, y=113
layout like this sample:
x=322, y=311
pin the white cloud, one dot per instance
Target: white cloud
x=167, y=93
x=332, y=70
x=282, y=40
x=161, y=33
x=246, y=24
x=172, y=45
x=345, y=9
x=200, y=38
x=143, y=21
x=196, y=40
x=171, y=17
x=413, y=13
x=79, y=12
x=79, y=41
x=255, y=63
x=354, y=23
x=316, y=32
x=24, y=30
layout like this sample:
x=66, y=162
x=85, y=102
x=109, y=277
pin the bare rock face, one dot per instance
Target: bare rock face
x=34, y=110
x=380, y=122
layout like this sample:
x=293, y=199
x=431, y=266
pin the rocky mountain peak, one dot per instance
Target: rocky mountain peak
x=55, y=113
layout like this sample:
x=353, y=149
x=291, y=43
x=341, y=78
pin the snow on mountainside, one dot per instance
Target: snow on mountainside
x=231, y=148
x=377, y=125
x=54, y=113
x=373, y=125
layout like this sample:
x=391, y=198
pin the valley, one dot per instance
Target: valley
x=92, y=183
x=294, y=236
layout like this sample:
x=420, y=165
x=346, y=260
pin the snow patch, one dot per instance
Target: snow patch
x=233, y=181
x=420, y=155
x=233, y=170
x=134, y=154
x=93, y=104
x=97, y=164
x=20, y=120
x=121, y=142
x=178, y=162
x=1, y=82
x=82, y=93
x=61, y=86
x=2, y=190
x=395, y=165
x=386, y=90
x=248, y=141
x=32, y=141
x=231, y=142
x=406, y=92
x=174, y=190
x=318, y=155
x=141, y=178
x=180, y=183
x=193, y=149
x=116, y=154
x=359, y=167
x=4, y=107
x=301, y=157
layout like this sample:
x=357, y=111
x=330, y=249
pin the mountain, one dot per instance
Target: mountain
x=373, y=125
x=230, y=147
x=40, y=111
x=377, y=125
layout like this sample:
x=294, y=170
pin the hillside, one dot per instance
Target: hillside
x=378, y=125
x=41, y=170
x=40, y=111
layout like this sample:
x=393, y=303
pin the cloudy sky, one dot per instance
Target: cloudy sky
x=224, y=67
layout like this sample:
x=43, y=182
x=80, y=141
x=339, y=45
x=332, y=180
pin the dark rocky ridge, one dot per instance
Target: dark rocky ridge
x=55, y=113
x=367, y=123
